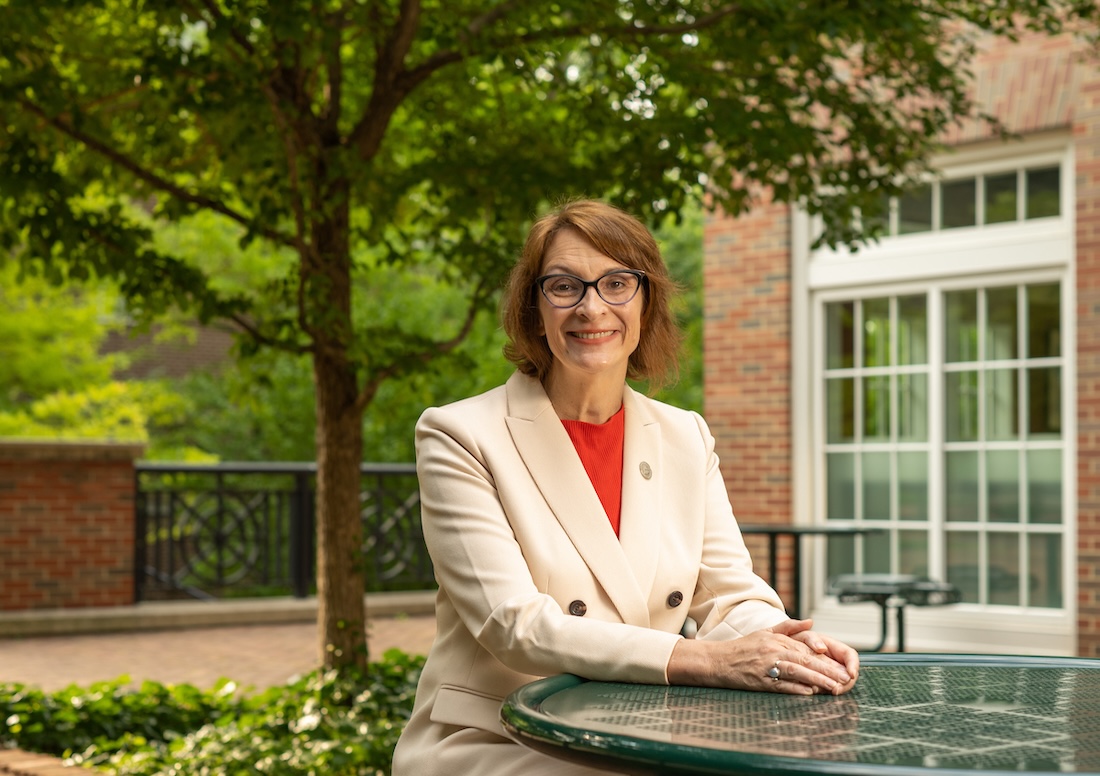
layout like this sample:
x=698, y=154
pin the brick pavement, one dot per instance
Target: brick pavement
x=254, y=656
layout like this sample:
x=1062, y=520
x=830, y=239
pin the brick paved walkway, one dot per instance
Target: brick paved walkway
x=254, y=656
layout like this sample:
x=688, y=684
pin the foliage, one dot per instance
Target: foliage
x=344, y=724
x=50, y=337
x=681, y=243
x=114, y=410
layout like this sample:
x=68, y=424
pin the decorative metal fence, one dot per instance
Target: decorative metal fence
x=232, y=530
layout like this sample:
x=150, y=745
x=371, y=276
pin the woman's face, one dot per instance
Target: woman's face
x=593, y=337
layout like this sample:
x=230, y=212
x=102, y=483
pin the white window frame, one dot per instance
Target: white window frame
x=1024, y=252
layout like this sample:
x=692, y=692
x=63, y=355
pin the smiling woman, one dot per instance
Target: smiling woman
x=577, y=526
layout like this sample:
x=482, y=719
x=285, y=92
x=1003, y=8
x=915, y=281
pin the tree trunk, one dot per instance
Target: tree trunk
x=341, y=615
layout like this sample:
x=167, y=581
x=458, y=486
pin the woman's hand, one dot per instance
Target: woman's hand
x=800, y=630
x=805, y=662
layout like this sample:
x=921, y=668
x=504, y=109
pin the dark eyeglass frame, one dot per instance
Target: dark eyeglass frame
x=540, y=283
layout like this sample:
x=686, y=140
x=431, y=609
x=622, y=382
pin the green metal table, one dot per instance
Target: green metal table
x=909, y=715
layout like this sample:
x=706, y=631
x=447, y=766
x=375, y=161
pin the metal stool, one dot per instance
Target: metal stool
x=894, y=591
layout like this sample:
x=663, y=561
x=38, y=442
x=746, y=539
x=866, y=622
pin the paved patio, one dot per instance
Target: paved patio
x=255, y=645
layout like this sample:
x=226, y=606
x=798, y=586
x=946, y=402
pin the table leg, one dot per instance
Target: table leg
x=796, y=577
x=773, y=552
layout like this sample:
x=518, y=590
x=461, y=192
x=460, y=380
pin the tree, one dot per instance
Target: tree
x=354, y=138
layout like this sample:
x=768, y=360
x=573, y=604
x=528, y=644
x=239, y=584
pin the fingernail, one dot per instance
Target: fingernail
x=819, y=646
x=845, y=678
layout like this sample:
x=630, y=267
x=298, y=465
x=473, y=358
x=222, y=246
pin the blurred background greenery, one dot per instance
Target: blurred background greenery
x=75, y=367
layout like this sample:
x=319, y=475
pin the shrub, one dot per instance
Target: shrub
x=322, y=723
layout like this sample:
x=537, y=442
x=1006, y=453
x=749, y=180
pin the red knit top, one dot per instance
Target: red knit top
x=600, y=447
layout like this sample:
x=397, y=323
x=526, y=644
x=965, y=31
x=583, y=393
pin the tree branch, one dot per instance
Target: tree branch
x=245, y=325
x=385, y=95
x=427, y=354
x=368, y=132
x=154, y=180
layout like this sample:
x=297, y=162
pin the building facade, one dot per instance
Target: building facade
x=942, y=384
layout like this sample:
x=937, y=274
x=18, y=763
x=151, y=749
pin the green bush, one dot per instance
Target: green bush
x=323, y=723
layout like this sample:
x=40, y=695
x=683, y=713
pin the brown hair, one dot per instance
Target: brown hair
x=625, y=239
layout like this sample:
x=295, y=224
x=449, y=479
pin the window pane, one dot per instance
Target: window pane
x=962, y=326
x=840, y=473
x=913, y=329
x=1044, y=559
x=958, y=203
x=1044, y=326
x=840, y=410
x=913, y=486
x=962, y=563
x=876, y=407
x=1003, y=574
x=1043, y=192
x=876, y=553
x=876, y=332
x=1000, y=198
x=961, y=410
x=1002, y=404
x=1002, y=471
x=1044, y=486
x=962, y=486
x=840, y=552
x=1000, y=333
x=876, y=486
x=912, y=408
x=915, y=211
x=840, y=335
x=913, y=553
x=1044, y=403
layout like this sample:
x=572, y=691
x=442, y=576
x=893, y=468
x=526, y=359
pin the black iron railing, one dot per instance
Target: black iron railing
x=243, y=529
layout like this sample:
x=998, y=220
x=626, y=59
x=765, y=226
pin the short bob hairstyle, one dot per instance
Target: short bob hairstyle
x=625, y=239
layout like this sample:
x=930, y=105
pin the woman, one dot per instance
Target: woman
x=577, y=526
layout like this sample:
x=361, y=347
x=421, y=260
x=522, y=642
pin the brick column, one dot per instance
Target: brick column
x=747, y=382
x=66, y=524
x=1087, y=151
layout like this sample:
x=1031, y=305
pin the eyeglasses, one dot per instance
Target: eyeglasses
x=616, y=287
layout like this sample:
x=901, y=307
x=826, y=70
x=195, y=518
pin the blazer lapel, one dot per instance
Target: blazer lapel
x=639, y=527
x=552, y=461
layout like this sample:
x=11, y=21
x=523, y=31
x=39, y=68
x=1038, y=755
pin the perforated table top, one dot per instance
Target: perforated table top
x=909, y=714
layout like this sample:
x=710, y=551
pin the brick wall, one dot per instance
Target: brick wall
x=747, y=349
x=66, y=524
x=1086, y=133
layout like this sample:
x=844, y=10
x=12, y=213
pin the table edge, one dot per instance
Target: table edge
x=554, y=739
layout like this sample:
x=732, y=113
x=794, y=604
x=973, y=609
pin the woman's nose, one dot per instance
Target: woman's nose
x=589, y=302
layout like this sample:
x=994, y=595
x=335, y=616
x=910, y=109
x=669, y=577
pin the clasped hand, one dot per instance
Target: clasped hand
x=800, y=661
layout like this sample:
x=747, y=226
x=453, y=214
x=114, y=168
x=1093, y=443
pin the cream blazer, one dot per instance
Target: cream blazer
x=534, y=582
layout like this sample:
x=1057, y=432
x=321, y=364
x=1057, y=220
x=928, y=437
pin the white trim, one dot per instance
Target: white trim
x=1023, y=244
x=1004, y=248
x=802, y=371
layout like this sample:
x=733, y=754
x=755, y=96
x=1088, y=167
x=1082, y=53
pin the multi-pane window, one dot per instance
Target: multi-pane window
x=997, y=198
x=877, y=431
x=968, y=396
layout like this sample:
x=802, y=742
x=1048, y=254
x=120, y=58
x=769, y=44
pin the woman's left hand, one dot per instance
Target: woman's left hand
x=825, y=646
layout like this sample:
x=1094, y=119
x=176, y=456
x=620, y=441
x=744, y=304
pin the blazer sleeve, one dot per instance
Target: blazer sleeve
x=480, y=566
x=731, y=599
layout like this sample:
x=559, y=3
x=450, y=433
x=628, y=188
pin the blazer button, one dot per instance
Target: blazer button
x=675, y=598
x=645, y=469
x=578, y=608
